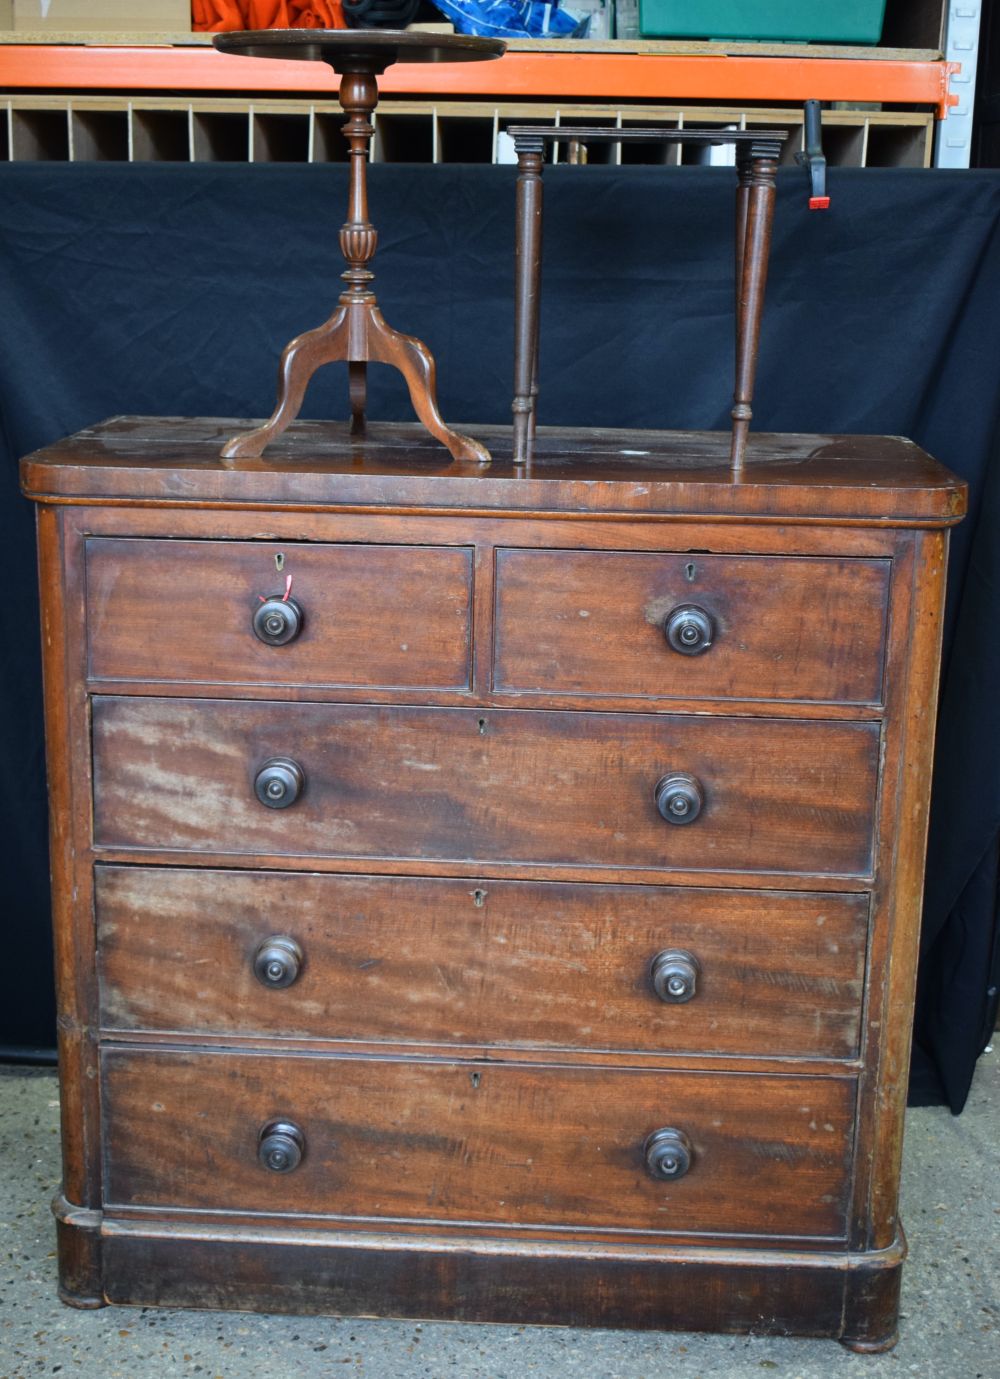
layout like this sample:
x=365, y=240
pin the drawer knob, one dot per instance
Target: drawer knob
x=277, y=620
x=279, y=782
x=280, y=1146
x=674, y=974
x=277, y=962
x=668, y=1154
x=679, y=798
x=689, y=629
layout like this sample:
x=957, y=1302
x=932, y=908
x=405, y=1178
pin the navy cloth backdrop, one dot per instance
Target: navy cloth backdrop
x=171, y=289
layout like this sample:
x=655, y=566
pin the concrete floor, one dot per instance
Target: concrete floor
x=951, y=1291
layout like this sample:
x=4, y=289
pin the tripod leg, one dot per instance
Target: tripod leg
x=416, y=363
x=302, y=357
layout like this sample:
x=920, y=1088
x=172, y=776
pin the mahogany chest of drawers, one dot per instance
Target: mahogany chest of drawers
x=489, y=897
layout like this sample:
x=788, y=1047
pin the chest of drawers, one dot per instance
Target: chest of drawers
x=489, y=897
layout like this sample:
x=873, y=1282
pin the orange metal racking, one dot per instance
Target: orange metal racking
x=599, y=75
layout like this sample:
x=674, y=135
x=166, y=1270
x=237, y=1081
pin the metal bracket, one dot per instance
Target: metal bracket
x=812, y=157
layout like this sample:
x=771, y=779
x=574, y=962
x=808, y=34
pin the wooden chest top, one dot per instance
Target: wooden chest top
x=658, y=474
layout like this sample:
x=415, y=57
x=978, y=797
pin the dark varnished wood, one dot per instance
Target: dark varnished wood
x=757, y=169
x=889, y=1062
x=373, y=616
x=77, y=1207
x=341, y=48
x=496, y=1144
x=398, y=960
x=871, y=1306
x=356, y=333
x=493, y=958
x=78, y=1230
x=871, y=479
x=757, y=153
x=593, y=624
x=515, y=785
x=473, y=1279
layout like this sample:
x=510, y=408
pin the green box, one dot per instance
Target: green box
x=803, y=21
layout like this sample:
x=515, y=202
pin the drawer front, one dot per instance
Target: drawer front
x=506, y=785
x=783, y=628
x=494, y=1143
x=371, y=616
x=526, y=964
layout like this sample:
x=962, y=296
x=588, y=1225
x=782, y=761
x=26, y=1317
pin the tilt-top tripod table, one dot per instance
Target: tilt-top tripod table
x=356, y=333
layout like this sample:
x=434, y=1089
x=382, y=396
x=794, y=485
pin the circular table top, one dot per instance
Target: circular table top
x=338, y=45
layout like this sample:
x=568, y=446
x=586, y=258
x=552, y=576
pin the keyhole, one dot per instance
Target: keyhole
x=476, y=1079
x=279, y=562
x=690, y=571
x=478, y=898
x=482, y=727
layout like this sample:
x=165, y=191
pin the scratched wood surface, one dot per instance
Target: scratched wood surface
x=476, y=1062
x=658, y=1287
x=397, y=959
x=524, y=785
x=373, y=616
x=176, y=460
x=488, y=1143
x=589, y=622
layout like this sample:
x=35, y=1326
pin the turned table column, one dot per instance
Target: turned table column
x=357, y=333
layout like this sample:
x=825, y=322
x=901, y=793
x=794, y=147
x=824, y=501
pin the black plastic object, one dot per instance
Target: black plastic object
x=380, y=14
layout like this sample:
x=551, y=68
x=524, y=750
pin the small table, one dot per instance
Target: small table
x=356, y=332
x=757, y=154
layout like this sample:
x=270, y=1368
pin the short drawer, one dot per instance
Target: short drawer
x=500, y=1144
x=519, y=786
x=438, y=961
x=365, y=616
x=665, y=626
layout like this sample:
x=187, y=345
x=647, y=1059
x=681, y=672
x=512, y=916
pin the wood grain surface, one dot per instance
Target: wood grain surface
x=482, y=702
x=479, y=1143
x=319, y=465
x=373, y=616
x=525, y=785
x=785, y=1292
x=397, y=959
x=589, y=622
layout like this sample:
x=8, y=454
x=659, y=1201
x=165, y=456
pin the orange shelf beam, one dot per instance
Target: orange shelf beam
x=518, y=75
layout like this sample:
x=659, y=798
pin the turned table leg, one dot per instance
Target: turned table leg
x=755, y=196
x=743, y=170
x=527, y=287
x=756, y=165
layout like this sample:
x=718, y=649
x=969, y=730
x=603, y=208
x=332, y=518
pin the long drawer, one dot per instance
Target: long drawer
x=529, y=964
x=676, y=626
x=506, y=785
x=502, y=1144
x=366, y=616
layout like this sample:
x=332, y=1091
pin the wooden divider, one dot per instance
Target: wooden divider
x=182, y=129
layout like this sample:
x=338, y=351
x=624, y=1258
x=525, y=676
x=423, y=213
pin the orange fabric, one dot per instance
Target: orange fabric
x=220, y=16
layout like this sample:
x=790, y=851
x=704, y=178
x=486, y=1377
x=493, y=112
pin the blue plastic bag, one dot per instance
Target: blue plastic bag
x=508, y=18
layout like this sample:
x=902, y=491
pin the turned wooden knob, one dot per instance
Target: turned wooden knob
x=280, y=1147
x=689, y=630
x=277, y=962
x=279, y=782
x=668, y=1154
x=674, y=974
x=277, y=620
x=679, y=797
